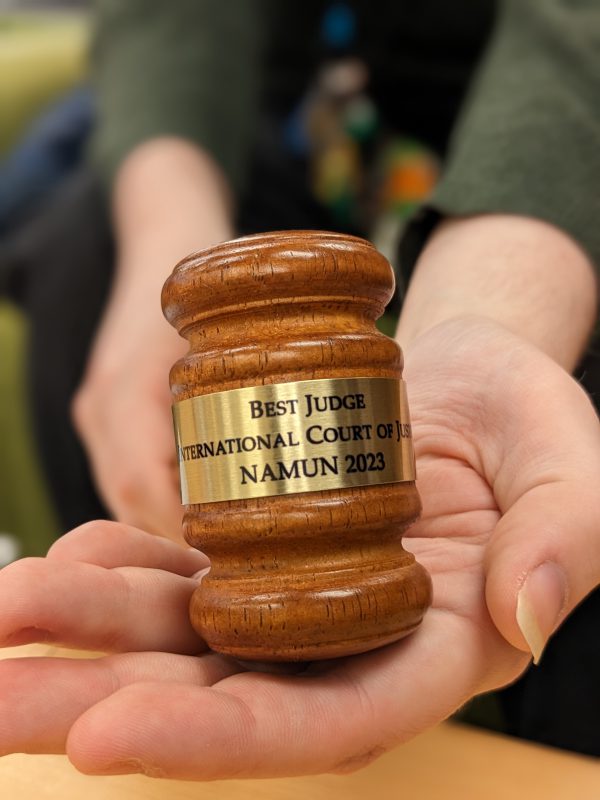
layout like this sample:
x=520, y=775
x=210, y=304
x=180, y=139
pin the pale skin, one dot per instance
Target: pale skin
x=508, y=451
x=169, y=200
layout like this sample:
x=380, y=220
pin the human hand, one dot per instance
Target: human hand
x=122, y=414
x=508, y=463
x=169, y=200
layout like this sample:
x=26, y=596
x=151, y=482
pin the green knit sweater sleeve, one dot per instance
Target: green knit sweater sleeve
x=528, y=138
x=188, y=68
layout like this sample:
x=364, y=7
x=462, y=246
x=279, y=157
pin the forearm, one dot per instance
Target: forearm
x=169, y=199
x=520, y=272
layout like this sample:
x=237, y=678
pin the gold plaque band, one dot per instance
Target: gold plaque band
x=288, y=438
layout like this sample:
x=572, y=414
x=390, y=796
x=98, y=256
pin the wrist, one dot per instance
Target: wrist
x=522, y=273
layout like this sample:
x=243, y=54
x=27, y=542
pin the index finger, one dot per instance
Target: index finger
x=87, y=606
x=113, y=544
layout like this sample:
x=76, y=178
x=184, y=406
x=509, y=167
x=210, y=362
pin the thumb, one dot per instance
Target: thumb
x=542, y=560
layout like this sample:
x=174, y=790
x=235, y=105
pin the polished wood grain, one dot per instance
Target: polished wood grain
x=277, y=308
x=450, y=762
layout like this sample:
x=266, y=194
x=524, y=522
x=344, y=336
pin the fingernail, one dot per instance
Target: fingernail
x=200, y=574
x=540, y=603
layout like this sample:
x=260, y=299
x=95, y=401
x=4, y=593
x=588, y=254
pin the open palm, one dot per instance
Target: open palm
x=504, y=490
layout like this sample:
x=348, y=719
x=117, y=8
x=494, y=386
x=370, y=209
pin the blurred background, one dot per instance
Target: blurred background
x=361, y=171
x=43, y=57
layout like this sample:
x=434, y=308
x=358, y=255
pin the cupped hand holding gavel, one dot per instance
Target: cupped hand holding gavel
x=508, y=453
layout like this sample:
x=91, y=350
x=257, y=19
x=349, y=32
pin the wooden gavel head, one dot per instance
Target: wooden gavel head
x=294, y=448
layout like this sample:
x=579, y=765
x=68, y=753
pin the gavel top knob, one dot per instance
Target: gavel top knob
x=294, y=447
